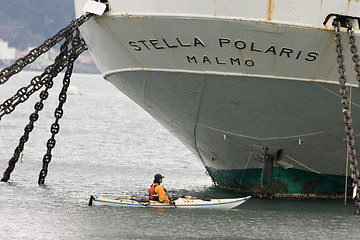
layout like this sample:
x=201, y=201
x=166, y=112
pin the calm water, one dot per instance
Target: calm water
x=108, y=146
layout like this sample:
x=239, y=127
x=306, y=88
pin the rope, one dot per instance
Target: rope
x=309, y=168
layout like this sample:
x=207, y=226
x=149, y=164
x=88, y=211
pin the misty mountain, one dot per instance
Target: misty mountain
x=28, y=23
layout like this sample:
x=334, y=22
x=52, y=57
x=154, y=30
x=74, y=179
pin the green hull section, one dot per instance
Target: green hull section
x=284, y=182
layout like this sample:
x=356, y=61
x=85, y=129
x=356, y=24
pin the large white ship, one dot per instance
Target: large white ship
x=238, y=82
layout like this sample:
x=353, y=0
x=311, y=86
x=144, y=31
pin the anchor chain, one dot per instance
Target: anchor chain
x=346, y=105
x=19, y=64
x=66, y=58
x=38, y=107
x=38, y=82
x=55, y=127
x=28, y=128
x=354, y=50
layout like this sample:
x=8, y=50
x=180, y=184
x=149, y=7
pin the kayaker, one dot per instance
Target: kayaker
x=157, y=191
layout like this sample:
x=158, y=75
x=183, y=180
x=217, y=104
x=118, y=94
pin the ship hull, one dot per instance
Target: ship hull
x=236, y=91
x=312, y=162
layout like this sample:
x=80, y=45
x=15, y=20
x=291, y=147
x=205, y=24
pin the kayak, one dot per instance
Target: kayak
x=182, y=202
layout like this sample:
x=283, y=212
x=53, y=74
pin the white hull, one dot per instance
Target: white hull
x=234, y=80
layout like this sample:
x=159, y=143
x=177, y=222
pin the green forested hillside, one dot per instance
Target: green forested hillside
x=27, y=23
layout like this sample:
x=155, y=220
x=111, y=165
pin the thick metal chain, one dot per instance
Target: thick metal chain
x=38, y=82
x=52, y=71
x=65, y=58
x=346, y=110
x=28, y=128
x=19, y=64
x=55, y=127
x=354, y=51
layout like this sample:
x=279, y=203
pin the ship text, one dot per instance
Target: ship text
x=225, y=44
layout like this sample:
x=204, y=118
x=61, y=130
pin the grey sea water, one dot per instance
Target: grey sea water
x=108, y=146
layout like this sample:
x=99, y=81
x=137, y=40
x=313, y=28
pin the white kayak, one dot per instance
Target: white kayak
x=182, y=202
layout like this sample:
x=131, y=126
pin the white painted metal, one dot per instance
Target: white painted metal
x=94, y=7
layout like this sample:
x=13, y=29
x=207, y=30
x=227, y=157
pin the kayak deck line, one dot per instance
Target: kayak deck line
x=181, y=202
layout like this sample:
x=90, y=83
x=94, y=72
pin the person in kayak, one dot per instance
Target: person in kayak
x=157, y=191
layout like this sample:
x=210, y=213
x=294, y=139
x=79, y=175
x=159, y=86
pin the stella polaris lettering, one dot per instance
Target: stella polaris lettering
x=270, y=49
x=164, y=43
x=225, y=44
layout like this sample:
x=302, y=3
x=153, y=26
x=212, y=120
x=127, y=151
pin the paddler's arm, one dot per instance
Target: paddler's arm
x=161, y=192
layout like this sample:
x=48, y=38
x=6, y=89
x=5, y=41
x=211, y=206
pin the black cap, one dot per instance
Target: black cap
x=158, y=176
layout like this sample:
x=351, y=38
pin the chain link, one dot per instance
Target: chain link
x=51, y=71
x=55, y=127
x=28, y=128
x=38, y=107
x=346, y=105
x=66, y=58
x=19, y=64
x=354, y=51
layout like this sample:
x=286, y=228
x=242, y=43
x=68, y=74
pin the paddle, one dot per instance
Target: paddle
x=172, y=202
x=171, y=199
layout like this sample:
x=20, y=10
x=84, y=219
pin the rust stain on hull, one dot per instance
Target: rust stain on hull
x=269, y=10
